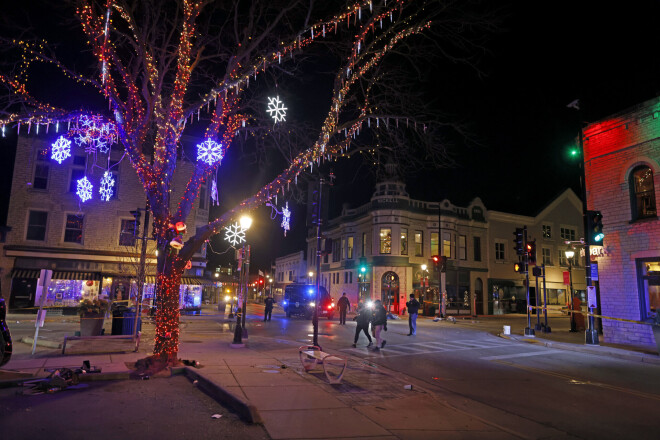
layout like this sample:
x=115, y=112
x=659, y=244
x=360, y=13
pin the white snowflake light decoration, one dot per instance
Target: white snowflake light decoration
x=209, y=151
x=214, y=192
x=286, y=218
x=84, y=189
x=276, y=109
x=234, y=234
x=94, y=134
x=107, y=188
x=61, y=149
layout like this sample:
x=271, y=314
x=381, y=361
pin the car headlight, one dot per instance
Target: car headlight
x=312, y=304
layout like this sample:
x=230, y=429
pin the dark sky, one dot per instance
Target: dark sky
x=544, y=56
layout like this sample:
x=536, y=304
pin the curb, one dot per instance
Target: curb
x=41, y=342
x=246, y=411
x=601, y=351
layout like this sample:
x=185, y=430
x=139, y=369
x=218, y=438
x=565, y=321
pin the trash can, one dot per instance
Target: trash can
x=118, y=313
x=129, y=322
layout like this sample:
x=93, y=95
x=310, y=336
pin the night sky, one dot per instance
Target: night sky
x=545, y=56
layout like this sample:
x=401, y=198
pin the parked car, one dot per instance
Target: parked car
x=300, y=299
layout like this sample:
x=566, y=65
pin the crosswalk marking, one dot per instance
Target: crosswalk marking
x=515, y=355
x=426, y=347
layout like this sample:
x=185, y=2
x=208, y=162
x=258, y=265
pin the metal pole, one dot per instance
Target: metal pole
x=546, y=328
x=537, y=297
x=591, y=334
x=141, y=271
x=238, y=331
x=529, y=331
x=570, y=278
x=247, y=289
x=315, y=318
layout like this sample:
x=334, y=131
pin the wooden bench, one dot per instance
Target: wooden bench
x=311, y=356
x=135, y=339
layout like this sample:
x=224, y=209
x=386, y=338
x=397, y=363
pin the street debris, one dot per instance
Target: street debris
x=60, y=379
x=216, y=416
x=190, y=363
x=195, y=382
x=407, y=387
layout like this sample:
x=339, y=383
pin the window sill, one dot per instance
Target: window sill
x=644, y=220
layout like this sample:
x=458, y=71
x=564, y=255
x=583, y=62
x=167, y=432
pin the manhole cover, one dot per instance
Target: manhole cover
x=191, y=342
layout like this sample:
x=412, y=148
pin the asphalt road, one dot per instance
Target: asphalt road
x=583, y=395
x=580, y=394
x=168, y=408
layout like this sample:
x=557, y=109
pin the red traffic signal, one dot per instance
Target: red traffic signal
x=436, y=259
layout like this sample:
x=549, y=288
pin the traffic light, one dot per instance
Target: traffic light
x=519, y=267
x=519, y=241
x=261, y=281
x=136, y=225
x=531, y=251
x=595, y=233
x=435, y=259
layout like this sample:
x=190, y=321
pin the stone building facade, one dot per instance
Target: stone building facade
x=384, y=250
x=91, y=246
x=622, y=162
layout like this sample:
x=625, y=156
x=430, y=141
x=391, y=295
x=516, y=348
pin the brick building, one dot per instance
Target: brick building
x=91, y=246
x=622, y=160
x=383, y=250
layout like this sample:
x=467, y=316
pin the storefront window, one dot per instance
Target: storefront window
x=649, y=280
x=404, y=241
x=68, y=293
x=385, y=240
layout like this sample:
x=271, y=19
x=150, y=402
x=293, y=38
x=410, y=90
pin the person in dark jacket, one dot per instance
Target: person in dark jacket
x=343, y=304
x=268, y=311
x=379, y=323
x=363, y=317
x=413, y=310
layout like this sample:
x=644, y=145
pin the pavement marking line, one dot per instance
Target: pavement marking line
x=509, y=356
x=424, y=348
x=580, y=381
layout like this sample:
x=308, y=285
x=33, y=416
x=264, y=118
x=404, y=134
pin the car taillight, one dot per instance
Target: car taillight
x=330, y=307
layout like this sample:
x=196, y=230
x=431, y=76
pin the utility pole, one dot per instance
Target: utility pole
x=141, y=270
x=529, y=331
x=319, y=211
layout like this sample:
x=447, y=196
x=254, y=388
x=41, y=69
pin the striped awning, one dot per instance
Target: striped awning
x=25, y=273
x=68, y=275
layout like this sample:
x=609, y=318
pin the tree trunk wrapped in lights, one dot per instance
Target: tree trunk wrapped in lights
x=162, y=65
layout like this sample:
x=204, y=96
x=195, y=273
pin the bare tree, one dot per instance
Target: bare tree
x=165, y=68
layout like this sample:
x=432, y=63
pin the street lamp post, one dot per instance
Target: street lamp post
x=569, y=256
x=240, y=331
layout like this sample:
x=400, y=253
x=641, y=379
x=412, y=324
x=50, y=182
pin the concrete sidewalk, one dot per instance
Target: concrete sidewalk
x=265, y=383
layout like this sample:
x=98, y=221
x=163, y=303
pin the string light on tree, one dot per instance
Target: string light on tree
x=84, y=189
x=276, y=109
x=107, y=186
x=61, y=149
x=235, y=234
x=209, y=151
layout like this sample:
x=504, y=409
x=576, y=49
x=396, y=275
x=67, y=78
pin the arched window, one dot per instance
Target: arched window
x=642, y=193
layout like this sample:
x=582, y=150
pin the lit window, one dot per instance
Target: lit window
x=74, y=228
x=643, y=193
x=385, y=240
x=419, y=244
x=404, y=241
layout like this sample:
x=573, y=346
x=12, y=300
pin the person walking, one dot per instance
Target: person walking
x=343, y=304
x=413, y=310
x=362, y=319
x=379, y=323
x=268, y=310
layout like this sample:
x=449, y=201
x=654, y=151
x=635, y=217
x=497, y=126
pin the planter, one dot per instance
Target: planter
x=91, y=324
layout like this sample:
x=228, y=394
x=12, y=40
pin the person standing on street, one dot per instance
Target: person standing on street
x=343, y=304
x=379, y=323
x=413, y=310
x=363, y=317
x=268, y=311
